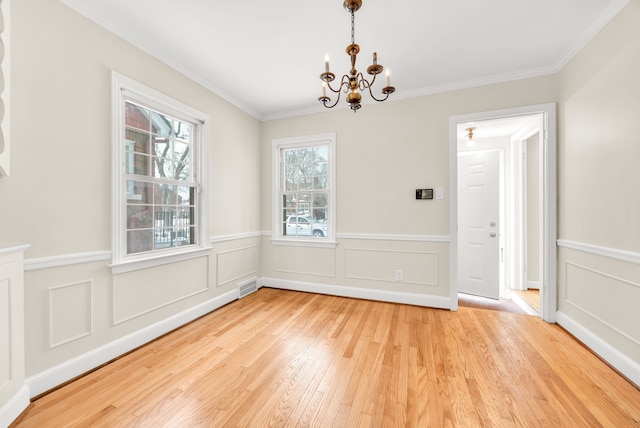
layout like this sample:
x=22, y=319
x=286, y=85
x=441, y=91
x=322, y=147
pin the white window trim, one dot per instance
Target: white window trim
x=120, y=262
x=298, y=142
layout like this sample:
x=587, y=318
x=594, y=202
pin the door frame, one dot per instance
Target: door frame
x=548, y=142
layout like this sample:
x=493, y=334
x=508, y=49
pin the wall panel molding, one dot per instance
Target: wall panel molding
x=577, y=276
x=236, y=263
x=419, y=267
x=612, y=253
x=70, y=312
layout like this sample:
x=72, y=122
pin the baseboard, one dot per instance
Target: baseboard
x=359, y=293
x=14, y=407
x=533, y=285
x=57, y=375
x=627, y=367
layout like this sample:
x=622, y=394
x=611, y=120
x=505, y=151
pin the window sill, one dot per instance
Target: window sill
x=304, y=243
x=158, y=260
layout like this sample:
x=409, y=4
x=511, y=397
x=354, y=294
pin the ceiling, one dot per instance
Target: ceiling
x=265, y=56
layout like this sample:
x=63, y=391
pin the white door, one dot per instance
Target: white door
x=478, y=223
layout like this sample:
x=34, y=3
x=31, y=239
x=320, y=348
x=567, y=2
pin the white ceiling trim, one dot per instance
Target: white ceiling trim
x=602, y=20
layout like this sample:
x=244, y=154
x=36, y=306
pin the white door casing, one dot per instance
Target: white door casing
x=549, y=290
x=479, y=223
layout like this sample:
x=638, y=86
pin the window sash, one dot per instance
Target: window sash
x=167, y=221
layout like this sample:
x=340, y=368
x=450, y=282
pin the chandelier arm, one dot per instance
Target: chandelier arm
x=324, y=103
x=379, y=100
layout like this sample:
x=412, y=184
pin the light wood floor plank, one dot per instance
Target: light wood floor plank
x=289, y=359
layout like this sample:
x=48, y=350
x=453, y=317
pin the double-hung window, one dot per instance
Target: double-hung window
x=159, y=209
x=304, y=190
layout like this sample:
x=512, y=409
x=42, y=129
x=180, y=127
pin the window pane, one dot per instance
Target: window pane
x=161, y=147
x=137, y=164
x=185, y=195
x=182, y=171
x=321, y=153
x=140, y=192
x=139, y=216
x=139, y=241
x=181, y=151
x=136, y=116
x=137, y=141
x=161, y=124
x=162, y=168
x=182, y=130
x=185, y=236
x=165, y=194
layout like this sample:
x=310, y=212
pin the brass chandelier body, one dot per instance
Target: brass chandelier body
x=354, y=82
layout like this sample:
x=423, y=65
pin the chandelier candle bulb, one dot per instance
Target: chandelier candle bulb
x=388, y=75
x=324, y=88
x=375, y=60
x=326, y=63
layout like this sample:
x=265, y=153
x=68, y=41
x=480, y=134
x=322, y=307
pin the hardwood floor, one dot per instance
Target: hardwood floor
x=282, y=358
x=531, y=297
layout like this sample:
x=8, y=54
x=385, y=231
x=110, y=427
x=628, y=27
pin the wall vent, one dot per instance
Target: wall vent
x=248, y=287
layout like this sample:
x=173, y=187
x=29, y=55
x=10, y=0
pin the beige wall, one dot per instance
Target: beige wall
x=57, y=198
x=599, y=209
x=385, y=152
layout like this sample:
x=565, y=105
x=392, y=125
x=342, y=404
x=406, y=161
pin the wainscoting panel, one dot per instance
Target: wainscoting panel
x=418, y=267
x=5, y=332
x=70, y=312
x=607, y=298
x=305, y=260
x=237, y=263
x=140, y=292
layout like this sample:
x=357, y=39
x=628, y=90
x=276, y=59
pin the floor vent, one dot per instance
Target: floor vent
x=248, y=287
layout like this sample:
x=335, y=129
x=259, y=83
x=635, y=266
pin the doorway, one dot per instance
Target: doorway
x=526, y=254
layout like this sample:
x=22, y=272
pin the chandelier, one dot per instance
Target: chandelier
x=354, y=82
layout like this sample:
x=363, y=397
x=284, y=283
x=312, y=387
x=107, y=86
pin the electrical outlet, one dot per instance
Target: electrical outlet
x=399, y=274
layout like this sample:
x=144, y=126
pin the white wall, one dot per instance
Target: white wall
x=57, y=198
x=599, y=209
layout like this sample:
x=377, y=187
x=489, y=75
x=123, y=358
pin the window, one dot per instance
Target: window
x=159, y=209
x=304, y=190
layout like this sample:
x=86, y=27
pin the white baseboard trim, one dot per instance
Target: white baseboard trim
x=534, y=285
x=359, y=293
x=57, y=375
x=629, y=368
x=14, y=407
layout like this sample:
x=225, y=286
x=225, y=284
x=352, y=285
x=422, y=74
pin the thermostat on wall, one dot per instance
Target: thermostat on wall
x=424, y=193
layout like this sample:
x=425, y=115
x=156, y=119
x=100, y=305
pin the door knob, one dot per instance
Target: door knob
x=492, y=234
